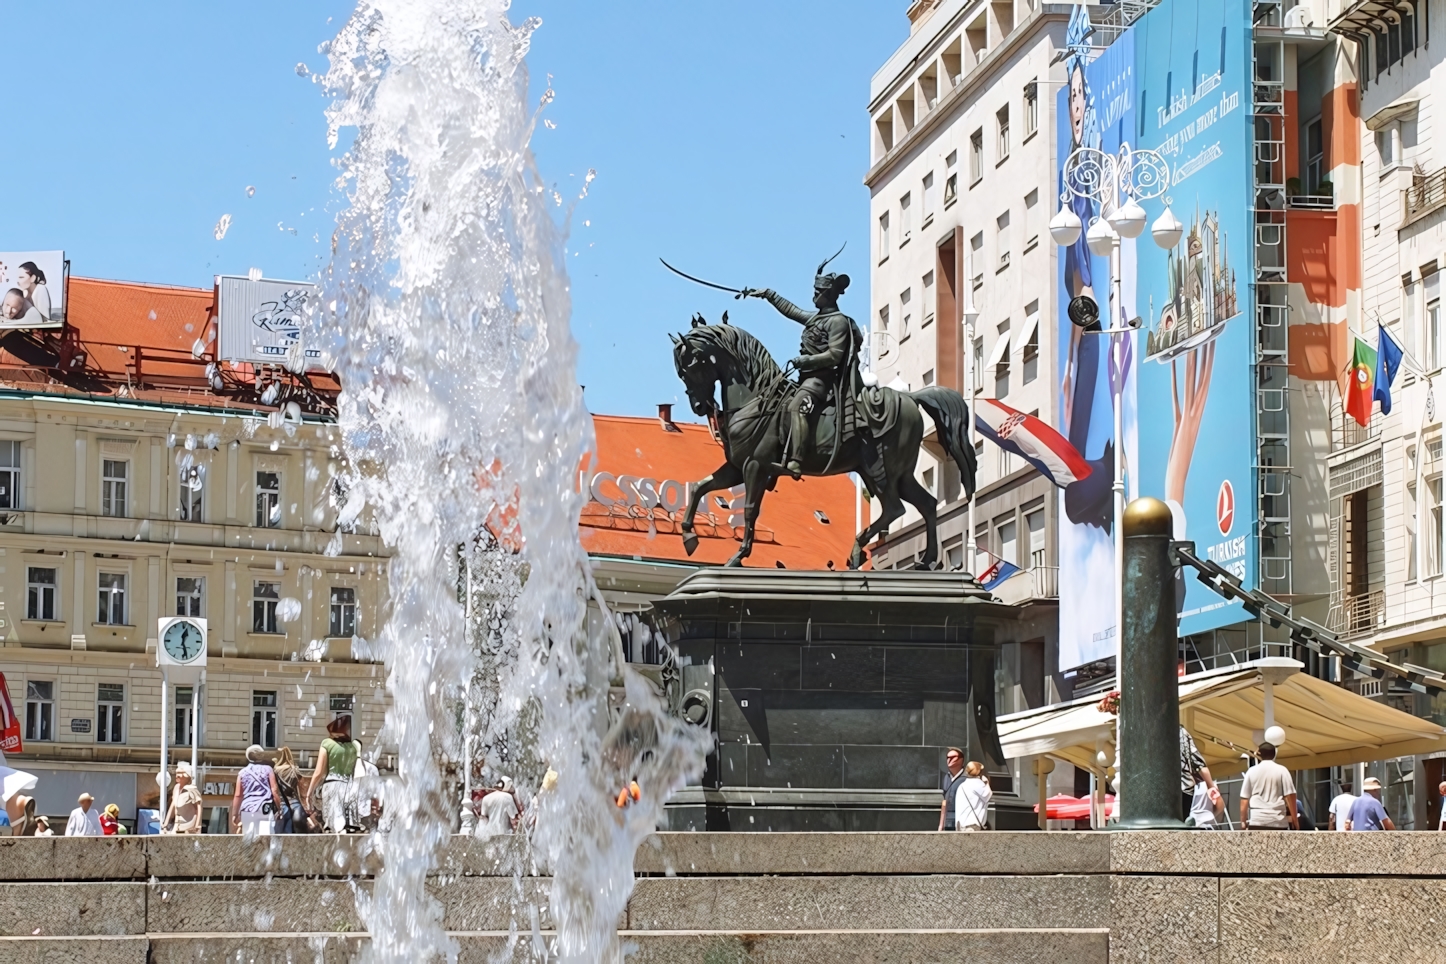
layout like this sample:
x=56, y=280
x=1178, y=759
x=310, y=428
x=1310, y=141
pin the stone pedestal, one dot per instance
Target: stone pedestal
x=834, y=695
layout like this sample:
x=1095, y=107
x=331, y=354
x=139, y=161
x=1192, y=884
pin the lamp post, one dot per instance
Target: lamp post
x=1117, y=183
x=971, y=318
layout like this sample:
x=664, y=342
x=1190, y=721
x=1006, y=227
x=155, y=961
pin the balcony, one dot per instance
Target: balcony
x=1358, y=615
x=1426, y=194
x=1347, y=433
x=1038, y=583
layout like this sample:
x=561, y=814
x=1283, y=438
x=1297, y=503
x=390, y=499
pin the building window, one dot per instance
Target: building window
x=264, y=597
x=951, y=181
x=1433, y=335
x=928, y=285
x=1433, y=537
x=183, y=718
x=929, y=199
x=191, y=494
x=884, y=318
x=976, y=157
x=9, y=475
x=1003, y=118
x=1031, y=219
x=1030, y=357
x=111, y=610
x=1031, y=108
x=343, y=612
x=1001, y=364
x=905, y=226
x=1034, y=523
x=113, y=476
x=110, y=713
x=928, y=378
x=40, y=583
x=1001, y=239
x=905, y=314
x=1008, y=539
x=978, y=369
x=341, y=704
x=39, y=710
x=976, y=261
x=928, y=480
x=263, y=718
x=190, y=595
x=268, y=500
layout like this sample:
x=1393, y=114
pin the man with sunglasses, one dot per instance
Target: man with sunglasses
x=954, y=760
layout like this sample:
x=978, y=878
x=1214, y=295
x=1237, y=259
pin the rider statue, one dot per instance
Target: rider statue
x=827, y=361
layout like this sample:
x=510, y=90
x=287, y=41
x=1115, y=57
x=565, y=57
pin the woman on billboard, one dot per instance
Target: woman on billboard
x=1086, y=501
x=31, y=280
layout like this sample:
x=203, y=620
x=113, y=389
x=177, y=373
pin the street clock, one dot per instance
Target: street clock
x=181, y=641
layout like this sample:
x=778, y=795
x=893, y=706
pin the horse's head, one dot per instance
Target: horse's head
x=697, y=366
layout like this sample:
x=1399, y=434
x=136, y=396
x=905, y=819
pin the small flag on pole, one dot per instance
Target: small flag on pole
x=1388, y=361
x=997, y=572
x=1359, y=398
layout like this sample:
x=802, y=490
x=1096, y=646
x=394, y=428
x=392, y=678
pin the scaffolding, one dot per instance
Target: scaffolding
x=1272, y=331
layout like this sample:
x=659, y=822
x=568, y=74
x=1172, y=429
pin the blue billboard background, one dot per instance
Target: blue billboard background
x=1177, y=82
x=1197, y=428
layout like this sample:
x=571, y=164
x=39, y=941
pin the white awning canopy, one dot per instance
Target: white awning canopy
x=1325, y=725
x=1031, y=326
x=1000, y=352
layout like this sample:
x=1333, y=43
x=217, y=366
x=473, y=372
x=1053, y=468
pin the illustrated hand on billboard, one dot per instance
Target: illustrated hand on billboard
x=1199, y=364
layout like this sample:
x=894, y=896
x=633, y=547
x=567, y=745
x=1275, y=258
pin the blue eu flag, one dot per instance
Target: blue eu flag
x=1388, y=360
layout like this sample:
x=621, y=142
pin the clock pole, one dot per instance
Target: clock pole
x=165, y=681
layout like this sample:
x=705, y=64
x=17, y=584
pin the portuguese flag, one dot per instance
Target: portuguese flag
x=1359, y=400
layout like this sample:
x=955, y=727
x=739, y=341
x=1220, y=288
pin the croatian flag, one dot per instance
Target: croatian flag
x=997, y=573
x=1030, y=439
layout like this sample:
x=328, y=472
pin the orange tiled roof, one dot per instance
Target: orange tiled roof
x=788, y=529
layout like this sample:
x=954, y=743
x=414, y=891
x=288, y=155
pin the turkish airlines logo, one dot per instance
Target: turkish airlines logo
x=1225, y=507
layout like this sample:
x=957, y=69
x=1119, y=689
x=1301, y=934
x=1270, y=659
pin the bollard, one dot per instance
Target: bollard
x=1149, y=720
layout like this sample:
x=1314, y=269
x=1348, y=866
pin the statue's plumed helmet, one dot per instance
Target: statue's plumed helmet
x=834, y=283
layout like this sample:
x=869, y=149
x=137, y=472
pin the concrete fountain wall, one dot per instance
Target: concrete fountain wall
x=740, y=898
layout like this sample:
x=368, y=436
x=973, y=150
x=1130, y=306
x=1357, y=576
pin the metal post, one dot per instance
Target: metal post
x=1043, y=767
x=195, y=729
x=1149, y=732
x=970, y=313
x=1118, y=486
x=165, y=681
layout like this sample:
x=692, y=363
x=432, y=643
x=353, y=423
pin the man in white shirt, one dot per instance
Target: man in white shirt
x=84, y=822
x=1267, y=795
x=498, y=811
x=1341, y=807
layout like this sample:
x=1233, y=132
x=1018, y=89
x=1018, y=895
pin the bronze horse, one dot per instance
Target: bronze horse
x=751, y=422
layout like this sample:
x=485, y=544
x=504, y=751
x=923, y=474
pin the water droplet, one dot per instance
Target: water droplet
x=222, y=226
x=301, y=69
x=549, y=125
x=254, y=274
x=250, y=190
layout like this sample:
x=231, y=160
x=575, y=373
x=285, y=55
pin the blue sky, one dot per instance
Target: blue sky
x=729, y=138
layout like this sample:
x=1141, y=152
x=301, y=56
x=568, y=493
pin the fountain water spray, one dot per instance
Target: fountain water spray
x=444, y=312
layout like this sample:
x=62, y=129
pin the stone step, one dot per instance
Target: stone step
x=978, y=946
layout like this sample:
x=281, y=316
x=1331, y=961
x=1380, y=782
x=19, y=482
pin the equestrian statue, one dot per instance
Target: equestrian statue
x=826, y=423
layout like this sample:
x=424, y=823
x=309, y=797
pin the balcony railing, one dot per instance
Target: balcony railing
x=1358, y=615
x=1347, y=433
x=1427, y=193
x=1046, y=582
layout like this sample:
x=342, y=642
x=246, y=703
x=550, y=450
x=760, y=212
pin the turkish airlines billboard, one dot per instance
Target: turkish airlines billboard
x=259, y=319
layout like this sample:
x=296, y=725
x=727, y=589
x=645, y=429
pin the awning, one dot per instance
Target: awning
x=1325, y=725
x=1001, y=351
x=1402, y=106
x=1031, y=326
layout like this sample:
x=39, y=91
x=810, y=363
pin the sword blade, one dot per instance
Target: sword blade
x=700, y=281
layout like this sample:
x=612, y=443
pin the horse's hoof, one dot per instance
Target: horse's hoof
x=690, y=543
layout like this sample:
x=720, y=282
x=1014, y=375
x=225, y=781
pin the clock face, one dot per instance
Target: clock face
x=184, y=641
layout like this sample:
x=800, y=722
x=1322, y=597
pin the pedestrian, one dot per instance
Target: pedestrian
x=1267, y=795
x=186, y=804
x=84, y=822
x=1193, y=774
x=1340, y=811
x=1441, y=820
x=256, y=801
x=972, y=799
x=42, y=827
x=954, y=760
x=1367, y=813
x=335, y=768
x=110, y=820
x=1207, y=806
x=288, y=782
x=499, y=810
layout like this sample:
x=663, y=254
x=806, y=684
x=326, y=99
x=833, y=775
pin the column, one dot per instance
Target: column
x=77, y=614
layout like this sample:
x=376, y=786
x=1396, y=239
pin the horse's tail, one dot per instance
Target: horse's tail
x=951, y=417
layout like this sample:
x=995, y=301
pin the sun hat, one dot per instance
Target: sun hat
x=1371, y=783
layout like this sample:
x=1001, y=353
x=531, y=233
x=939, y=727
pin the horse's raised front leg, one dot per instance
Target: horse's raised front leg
x=725, y=476
x=755, y=479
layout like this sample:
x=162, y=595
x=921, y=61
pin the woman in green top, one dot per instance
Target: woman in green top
x=335, y=765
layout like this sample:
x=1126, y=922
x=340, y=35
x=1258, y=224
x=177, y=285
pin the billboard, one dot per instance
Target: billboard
x=1197, y=401
x=259, y=320
x=1176, y=82
x=1096, y=110
x=32, y=289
